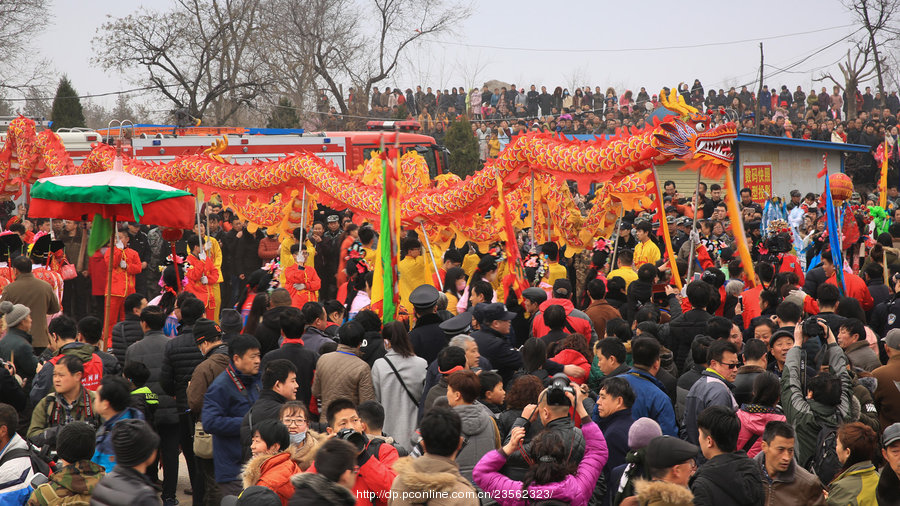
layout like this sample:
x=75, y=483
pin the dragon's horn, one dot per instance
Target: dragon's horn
x=675, y=103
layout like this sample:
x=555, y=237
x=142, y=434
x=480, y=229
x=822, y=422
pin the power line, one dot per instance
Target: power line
x=637, y=49
x=94, y=95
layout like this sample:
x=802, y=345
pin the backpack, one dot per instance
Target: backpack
x=824, y=463
x=375, y=447
x=93, y=371
x=38, y=464
x=49, y=495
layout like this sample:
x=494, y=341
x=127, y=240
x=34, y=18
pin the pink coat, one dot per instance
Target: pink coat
x=575, y=489
x=753, y=421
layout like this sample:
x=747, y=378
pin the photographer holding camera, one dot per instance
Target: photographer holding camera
x=824, y=400
x=552, y=411
x=374, y=459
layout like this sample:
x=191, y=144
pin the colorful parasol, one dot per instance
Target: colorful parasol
x=114, y=195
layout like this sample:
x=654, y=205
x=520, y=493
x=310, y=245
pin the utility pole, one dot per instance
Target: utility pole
x=756, y=118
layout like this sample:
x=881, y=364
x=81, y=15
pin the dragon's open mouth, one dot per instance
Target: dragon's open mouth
x=718, y=147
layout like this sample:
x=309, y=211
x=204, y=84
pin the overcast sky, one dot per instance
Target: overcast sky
x=560, y=43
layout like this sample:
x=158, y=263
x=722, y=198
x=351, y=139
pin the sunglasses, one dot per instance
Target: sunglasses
x=732, y=366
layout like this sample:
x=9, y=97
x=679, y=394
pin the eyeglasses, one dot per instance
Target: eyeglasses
x=732, y=366
x=294, y=421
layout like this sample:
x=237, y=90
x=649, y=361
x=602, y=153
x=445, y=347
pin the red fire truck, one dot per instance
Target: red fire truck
x=345, y=149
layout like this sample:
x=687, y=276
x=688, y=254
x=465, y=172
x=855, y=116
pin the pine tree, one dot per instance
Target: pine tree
x=463, y=148
x=67, y=111
x=283, y=115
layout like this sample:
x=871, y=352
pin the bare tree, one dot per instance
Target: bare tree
x=471, y=69
x=198, y=55
x=854, y=70
x=37, y=104
x=345, y=48
x=20, y=20
x=876, y=17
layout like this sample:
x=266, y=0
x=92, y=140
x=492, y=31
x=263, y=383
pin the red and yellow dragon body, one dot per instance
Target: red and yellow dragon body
x=268, y=193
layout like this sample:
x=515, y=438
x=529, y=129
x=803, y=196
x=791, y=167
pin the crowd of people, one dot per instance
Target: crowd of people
x=589, y=378
x=499, y=114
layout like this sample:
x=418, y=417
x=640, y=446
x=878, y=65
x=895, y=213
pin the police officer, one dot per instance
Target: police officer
x=426, y=337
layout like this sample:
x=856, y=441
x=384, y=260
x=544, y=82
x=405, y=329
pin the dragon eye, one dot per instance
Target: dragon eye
x=700, y=126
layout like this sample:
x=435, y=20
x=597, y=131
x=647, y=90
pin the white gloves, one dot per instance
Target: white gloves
x=695, y=238
x=123, y=264
x=204, y=280
x=299, y=286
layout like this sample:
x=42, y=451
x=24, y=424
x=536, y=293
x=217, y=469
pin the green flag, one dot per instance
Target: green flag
x=101, y=229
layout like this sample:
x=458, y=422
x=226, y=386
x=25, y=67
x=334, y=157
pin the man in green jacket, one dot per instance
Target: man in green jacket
x=69, y=402
x=823, y=400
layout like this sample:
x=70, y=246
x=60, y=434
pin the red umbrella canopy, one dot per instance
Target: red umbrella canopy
x=115, y=195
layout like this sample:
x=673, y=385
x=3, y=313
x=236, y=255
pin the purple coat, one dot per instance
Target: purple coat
x=576, y=489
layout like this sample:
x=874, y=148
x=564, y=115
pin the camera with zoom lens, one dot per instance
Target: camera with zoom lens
x=556, y=392
x=357, y=439
x=811, y=328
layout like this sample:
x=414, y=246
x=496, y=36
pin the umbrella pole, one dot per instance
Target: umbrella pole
x=106, y=316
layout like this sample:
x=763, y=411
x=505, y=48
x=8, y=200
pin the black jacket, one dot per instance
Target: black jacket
x=269, y=330
x=180, y=359
x=124, y=334
x=743, y=383
x=682, y=331
x=265, y=408
x=572, y=437
x=311, y=489
x=496, y=348
x=427, y=338
x=728, y=479
x=240, y=255
x=124, y=485
x=814, y=277
x=305, y=362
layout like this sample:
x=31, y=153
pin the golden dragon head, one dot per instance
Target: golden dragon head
x=691, y=135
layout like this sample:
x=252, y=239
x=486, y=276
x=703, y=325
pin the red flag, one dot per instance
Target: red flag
x=824, y=171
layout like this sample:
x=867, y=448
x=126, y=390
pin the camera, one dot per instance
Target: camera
x=811, y=328
x=556, y=392
x=357, y=439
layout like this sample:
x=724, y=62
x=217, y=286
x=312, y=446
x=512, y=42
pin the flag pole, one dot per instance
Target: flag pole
x=690, y=270
x=431, y=254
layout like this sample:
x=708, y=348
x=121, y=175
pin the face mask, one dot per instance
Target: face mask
x=298, y=438
x=120, y=245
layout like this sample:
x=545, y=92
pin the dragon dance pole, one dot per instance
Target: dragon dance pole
x=531, y=212
x=431, y=254
x=303, y=215
x=616, y=242
x=737, y=225
x=690, y=270
x=664, y=226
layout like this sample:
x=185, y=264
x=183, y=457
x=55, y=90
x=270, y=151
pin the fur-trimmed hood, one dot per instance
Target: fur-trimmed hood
x=309, y=485
x=659, y=493
x=304, y=455
x=277, y=468
x=429, y=472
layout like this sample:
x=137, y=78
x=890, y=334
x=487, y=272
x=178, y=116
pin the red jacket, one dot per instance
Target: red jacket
x=572, y=357
x=579, y=325
x=789, y=263
x=750, y=300
x=194, y=272
x=295, y=275
x=856, y=289
x=123, y=279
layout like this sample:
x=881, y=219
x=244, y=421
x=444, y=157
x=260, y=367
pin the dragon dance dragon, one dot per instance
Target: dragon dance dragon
x=268, y=193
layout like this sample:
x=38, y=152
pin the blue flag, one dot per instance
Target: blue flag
x=834, y=239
